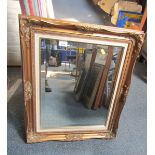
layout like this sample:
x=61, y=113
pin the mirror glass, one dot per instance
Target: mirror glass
x=77, y=80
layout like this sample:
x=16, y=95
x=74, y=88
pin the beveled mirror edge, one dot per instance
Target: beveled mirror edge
x=25, y=26
x=37, y=36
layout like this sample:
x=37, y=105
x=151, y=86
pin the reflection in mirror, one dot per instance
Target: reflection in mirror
x=77, y=81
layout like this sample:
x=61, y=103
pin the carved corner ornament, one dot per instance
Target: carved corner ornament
x=34, y=137
x=25, y=31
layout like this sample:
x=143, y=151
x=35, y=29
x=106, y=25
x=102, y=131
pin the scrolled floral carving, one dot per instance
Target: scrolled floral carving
x=25, y=31
x=87, y=28
x=34, y=137
x=107, y=135
x=124, y=92
x=27, y=90
x=140, y=40
x=74, y=137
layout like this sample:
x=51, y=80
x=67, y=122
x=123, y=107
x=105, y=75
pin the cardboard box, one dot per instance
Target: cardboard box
x=105, y=5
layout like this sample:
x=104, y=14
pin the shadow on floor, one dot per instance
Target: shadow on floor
x=140, y=71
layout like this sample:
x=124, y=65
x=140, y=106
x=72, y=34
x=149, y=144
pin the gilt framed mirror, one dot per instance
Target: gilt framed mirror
x=76, y=77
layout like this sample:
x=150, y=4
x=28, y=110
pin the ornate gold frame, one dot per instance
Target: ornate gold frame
x=28, y=26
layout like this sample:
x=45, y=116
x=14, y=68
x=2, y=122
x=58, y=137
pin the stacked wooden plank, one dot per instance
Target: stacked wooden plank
x=90, y=84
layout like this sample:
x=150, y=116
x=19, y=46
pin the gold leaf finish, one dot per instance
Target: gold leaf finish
x=29, y=26
x=27, y=90
x=74, y=137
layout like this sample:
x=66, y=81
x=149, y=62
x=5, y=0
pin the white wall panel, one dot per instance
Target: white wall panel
x=13, y=43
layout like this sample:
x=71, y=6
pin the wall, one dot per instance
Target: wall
x=13, y=43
